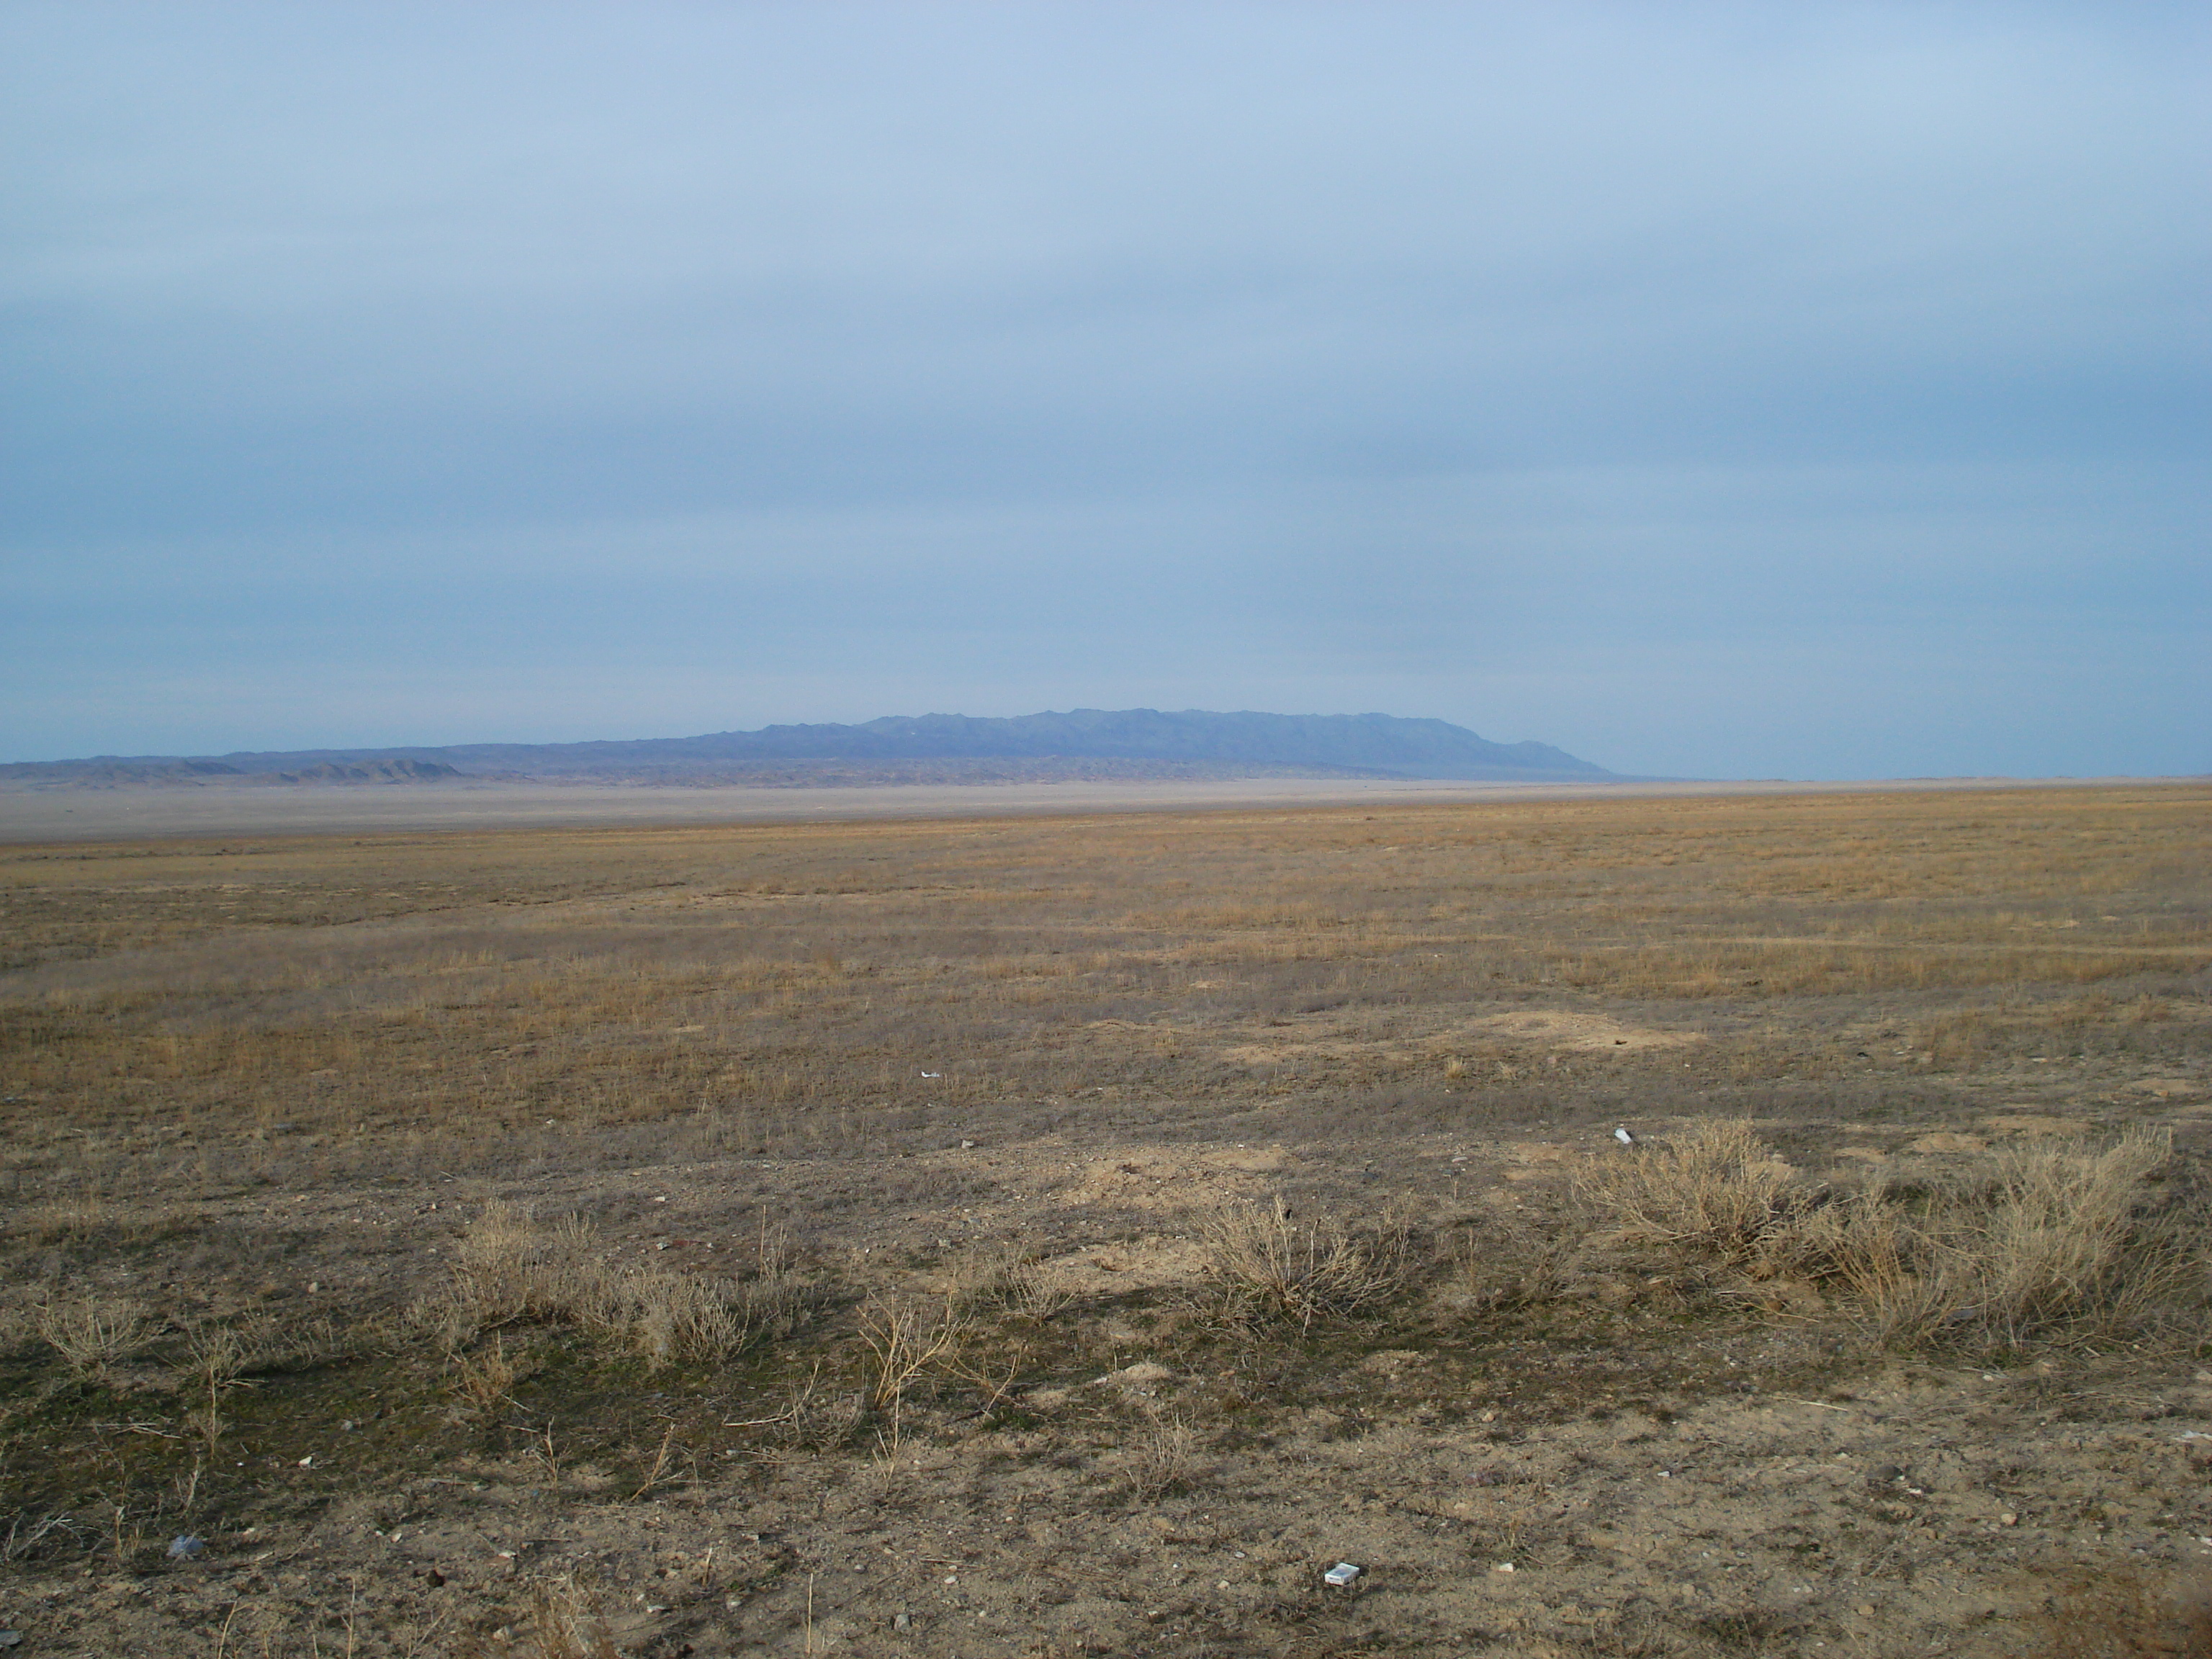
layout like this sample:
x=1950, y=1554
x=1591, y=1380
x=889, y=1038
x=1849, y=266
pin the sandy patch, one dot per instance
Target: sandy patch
x=1112, y=1269
x=1274, y=1054
x=1937, y=1145
x=1583, y=1033
x=1172, y=1181
x=2033, y=1124
x=1540, y=1160
x=2168, y=1088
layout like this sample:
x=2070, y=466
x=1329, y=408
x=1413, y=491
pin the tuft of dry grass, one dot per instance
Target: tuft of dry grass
x=1009, y=1278
x=510, y=1269
x=1269, y=1264
x=1715, y=1188
x=1161, y=1457
x=217, y=1356
x=563, y=1622
x=483, y=1381
x=2040, y=1238
x=2055, y=1233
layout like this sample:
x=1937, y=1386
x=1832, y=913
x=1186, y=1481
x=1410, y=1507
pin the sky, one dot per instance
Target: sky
x=1710, y=390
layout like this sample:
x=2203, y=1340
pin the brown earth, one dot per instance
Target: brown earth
x=1013, y=1074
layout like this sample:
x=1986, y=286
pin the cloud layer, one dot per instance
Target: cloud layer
x=1706, y=390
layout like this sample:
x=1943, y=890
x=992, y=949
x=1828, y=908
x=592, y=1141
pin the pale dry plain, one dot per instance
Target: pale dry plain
x=859, y=1237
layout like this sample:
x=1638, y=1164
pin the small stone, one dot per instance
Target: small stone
x=2008, y=1519
x=902, y=1621
x=1864, y=1610
x=9, y=1638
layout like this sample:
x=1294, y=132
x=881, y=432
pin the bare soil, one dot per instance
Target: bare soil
x=1005, y=1076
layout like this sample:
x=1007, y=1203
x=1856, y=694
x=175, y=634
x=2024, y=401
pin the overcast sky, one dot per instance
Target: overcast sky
x=1808, y=390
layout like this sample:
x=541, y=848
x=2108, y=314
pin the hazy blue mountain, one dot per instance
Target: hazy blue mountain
x=1374, y=746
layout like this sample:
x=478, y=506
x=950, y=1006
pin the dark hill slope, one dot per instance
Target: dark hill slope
x=1369, y=744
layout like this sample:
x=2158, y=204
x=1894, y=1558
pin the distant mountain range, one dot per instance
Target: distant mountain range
x=928, y=748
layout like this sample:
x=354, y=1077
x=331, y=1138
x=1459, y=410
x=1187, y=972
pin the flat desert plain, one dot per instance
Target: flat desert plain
x=1659, y=1225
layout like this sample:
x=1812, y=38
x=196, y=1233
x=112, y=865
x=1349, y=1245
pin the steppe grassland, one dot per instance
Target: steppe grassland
x=1029, y=1090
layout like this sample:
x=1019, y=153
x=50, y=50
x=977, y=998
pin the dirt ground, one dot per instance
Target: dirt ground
x=1003, y=1080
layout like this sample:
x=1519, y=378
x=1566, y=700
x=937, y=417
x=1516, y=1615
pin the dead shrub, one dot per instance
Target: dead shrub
x=218, y=1356
x=93, y=1334
x=1270, y=1265
x=483, y=1381
x=819, y=1418
x=908, y=1339
x=667, y=1316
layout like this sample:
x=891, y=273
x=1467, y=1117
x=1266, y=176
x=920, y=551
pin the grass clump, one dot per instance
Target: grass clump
x=1715, y=1189
x=1272, y=1266
x=2034, y=1242
x=510, y=1269
x=1160, y=1458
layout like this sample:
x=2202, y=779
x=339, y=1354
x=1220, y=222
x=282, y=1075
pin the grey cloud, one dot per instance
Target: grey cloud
x=1413, y=352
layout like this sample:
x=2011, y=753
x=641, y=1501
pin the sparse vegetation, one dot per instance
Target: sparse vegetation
x=509, y=1269
x=1074, y=1235
x=2028, y=1242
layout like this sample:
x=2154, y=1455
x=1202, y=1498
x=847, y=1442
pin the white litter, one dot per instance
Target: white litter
x=1340, y=1575
x=1624, y=1137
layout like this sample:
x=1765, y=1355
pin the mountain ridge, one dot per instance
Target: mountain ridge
x=1375, y=745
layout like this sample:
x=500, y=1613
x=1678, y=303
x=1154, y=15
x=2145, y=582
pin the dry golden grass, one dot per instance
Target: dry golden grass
x=2032, y=1240
x=1715, y=1187
x=510, y=1269
x=542, y=1087
x=791, y=985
